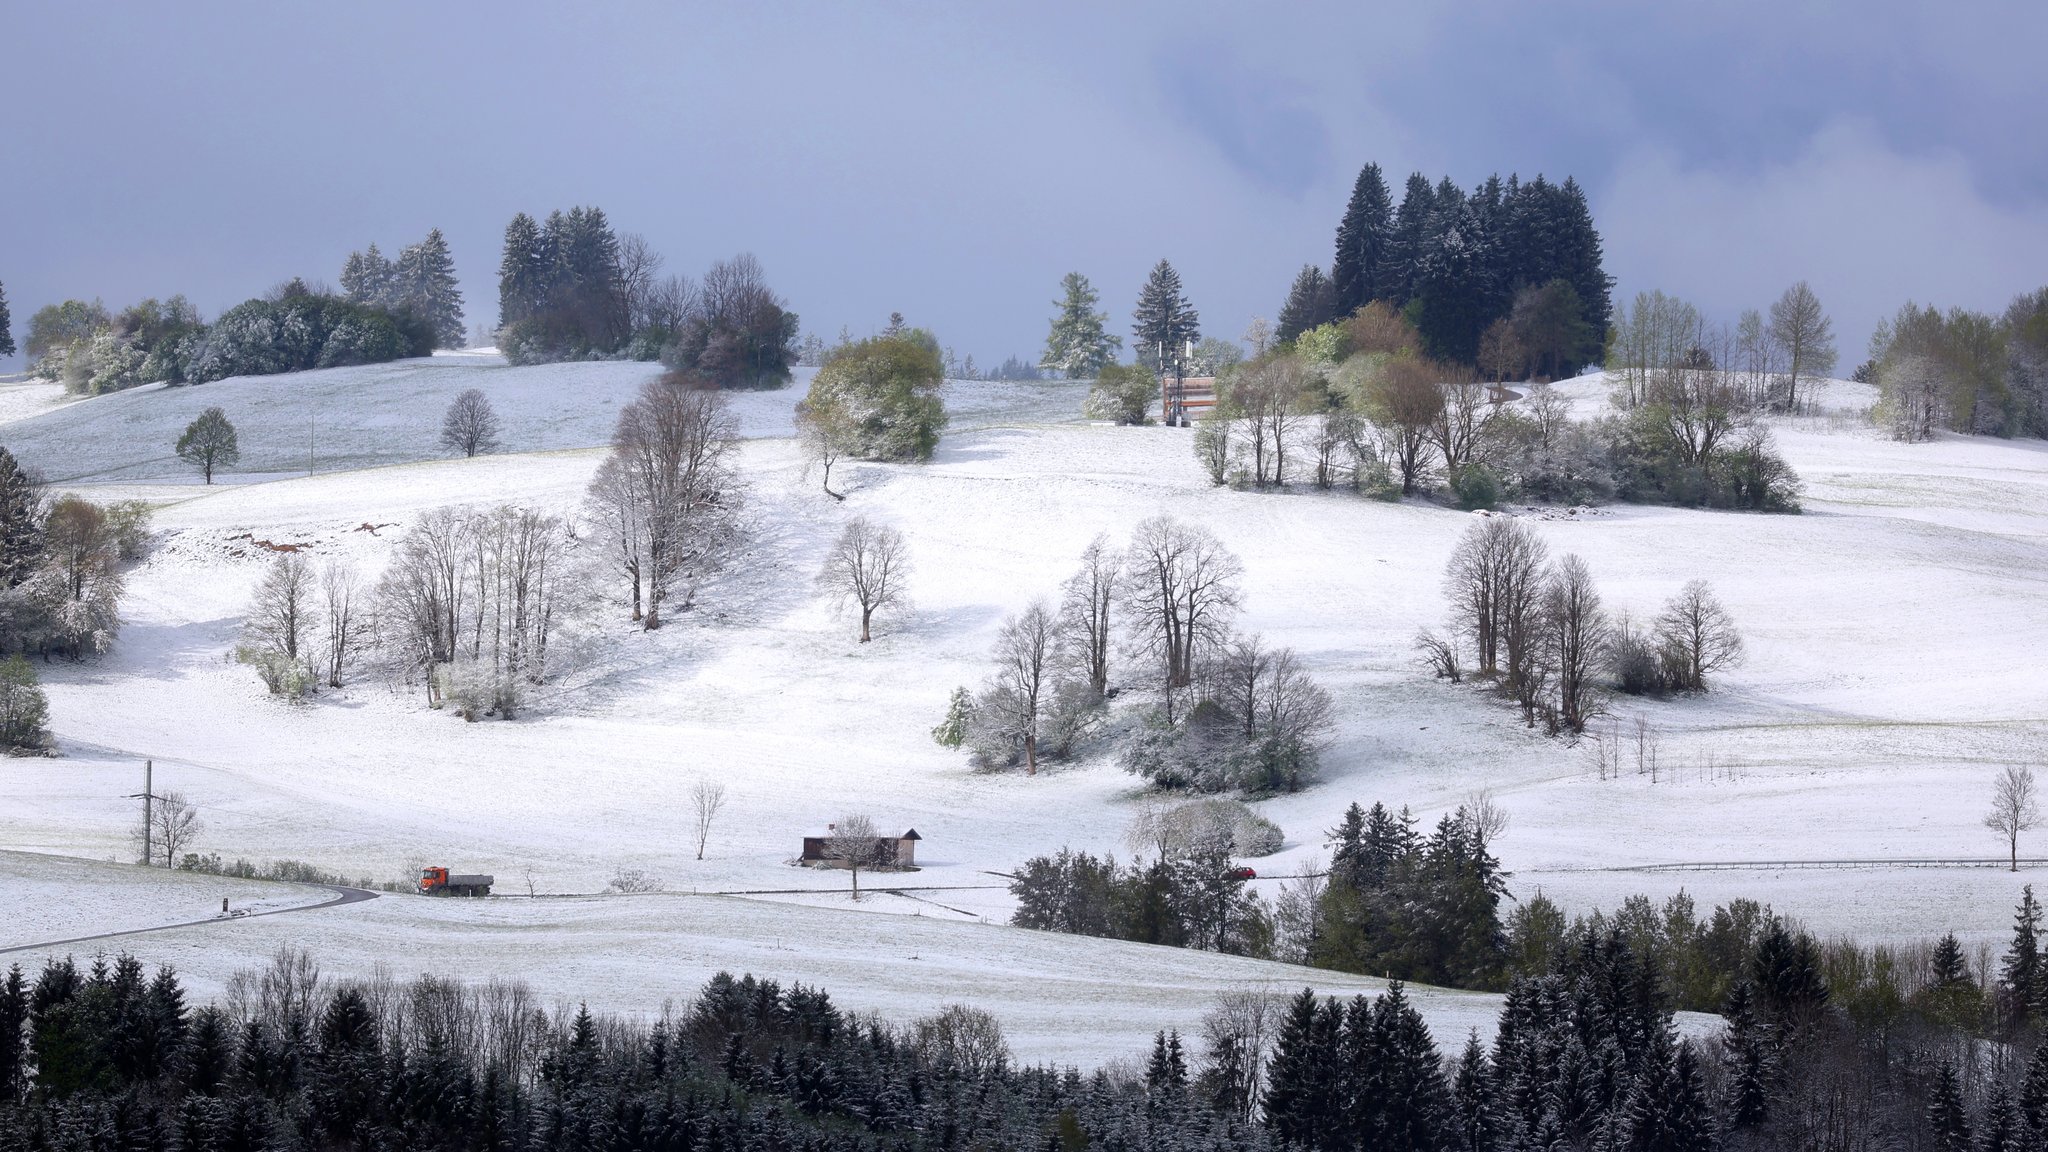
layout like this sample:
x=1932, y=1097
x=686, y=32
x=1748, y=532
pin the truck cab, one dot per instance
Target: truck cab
x=440, y=882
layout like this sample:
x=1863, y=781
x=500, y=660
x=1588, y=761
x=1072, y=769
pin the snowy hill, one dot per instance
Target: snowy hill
x=1890, y=629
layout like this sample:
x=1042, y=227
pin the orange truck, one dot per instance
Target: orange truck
x=441, y=882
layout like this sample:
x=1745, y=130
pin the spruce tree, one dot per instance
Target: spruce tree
x=522, y=271
x=13, y=1037
x=1947, y=968
x=2020, y=976
x=1999, y=1129
x=1667, y=1105
x=1293, y=1104
x=1363, y=237
x=21, y=523
x=1410, y=240
x=6, y=325
x=1311, y=302
x=425, y=283
x=2034, y=1098
x=1415, y=1104
x=1164, y=323
x=1581, y=262
x=1746, y=1057
x=1946, y=1117
x=368, y=278
x=1077, y=347
x=1475, y=1124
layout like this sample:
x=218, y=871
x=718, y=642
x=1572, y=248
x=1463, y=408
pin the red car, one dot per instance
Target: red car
x=1243, y=874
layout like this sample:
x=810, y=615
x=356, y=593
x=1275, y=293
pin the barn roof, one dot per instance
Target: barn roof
x=910, y=835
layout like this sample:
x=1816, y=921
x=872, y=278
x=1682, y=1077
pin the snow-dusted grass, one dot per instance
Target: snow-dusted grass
x=46, y=898
x=1063, y=998
x=1891, y=629
x=338, y=419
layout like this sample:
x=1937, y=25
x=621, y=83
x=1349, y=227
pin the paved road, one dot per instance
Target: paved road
x=342, y=895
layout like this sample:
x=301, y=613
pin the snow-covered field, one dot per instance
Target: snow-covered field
x=1892, y=632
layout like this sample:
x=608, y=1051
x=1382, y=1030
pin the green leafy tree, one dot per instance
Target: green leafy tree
x=209, y=443
x=24, y=710
x=1077, y=347
x=57, y=329
x=882, y=395
x=1164, y=323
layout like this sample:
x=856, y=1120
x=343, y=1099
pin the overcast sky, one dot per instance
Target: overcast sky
x=952, y=161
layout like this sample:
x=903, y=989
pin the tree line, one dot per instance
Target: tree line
x=1963, y=371
x=572, y=288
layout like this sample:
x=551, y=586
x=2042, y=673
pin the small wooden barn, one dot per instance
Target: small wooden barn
x=883, y=852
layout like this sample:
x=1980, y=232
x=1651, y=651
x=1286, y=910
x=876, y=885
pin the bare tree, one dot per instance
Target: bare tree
x=347, y=625
x=1488, y=818
x=1575, y=631
x=2015, y=808
x=1501, y=353
x=639, y=264
x=1695, y=637
x=1552, y=411
x=1493, y=568
x=868, y=566
x=1238, y=1035
x=1023, y=679
x=672, y=490
x=1441, y=654
x=706, y=798
x=1086, y=611
x=968, y=1041
x=1267, y=394
x=1298, y=912
x=471, y=425
x=173, y=826
x=1462, y=420
x=1804, y=338
x=1180, y=587
x=282, y=617
x=853, y=843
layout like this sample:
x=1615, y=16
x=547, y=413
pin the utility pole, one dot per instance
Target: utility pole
x=147, y=795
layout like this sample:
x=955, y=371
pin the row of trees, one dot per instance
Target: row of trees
x=1359, y=404
x=1769, y=360
x=292, y=328
x=421, y=281
x=570, y=287
x=1457, y=264
x=1539, y=631
x=1964, y=371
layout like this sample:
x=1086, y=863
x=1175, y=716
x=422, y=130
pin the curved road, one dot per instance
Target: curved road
x=342, y=895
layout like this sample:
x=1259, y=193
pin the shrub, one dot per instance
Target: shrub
x=1122, y=393
x=1475, y=486
x=884, y=392
x=281, y=674
x=302, y=329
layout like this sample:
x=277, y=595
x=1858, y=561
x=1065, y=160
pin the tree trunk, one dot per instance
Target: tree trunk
x=865, y=615
x=1030, y=754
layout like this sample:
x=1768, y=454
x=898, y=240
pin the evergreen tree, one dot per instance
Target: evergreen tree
x=21, y=523
x=1947, y=968
x=1789, y=987
x=1409, y=241
x=2034, y=1098
x=1311, y=303
x=424, y=281
x=1667, y=1105
x=1476, y=1122
x=1296, y=1107
x=1746, y=1056
x=1999, y=1129
x=6, y=325
x=523, y=271
x=1164, y=323
x=1455, y=285
x=14, y=1017
x=2020, y=975
x=1946, y=1116
x=1363, y=237
x=1167, y=1074
x=1414, y=1104
x=1077, y=347
x=368, y=278
x=1582, y=263
x=208, y=1055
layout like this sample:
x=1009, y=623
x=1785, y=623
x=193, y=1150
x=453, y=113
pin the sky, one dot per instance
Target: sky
x=952, y=161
